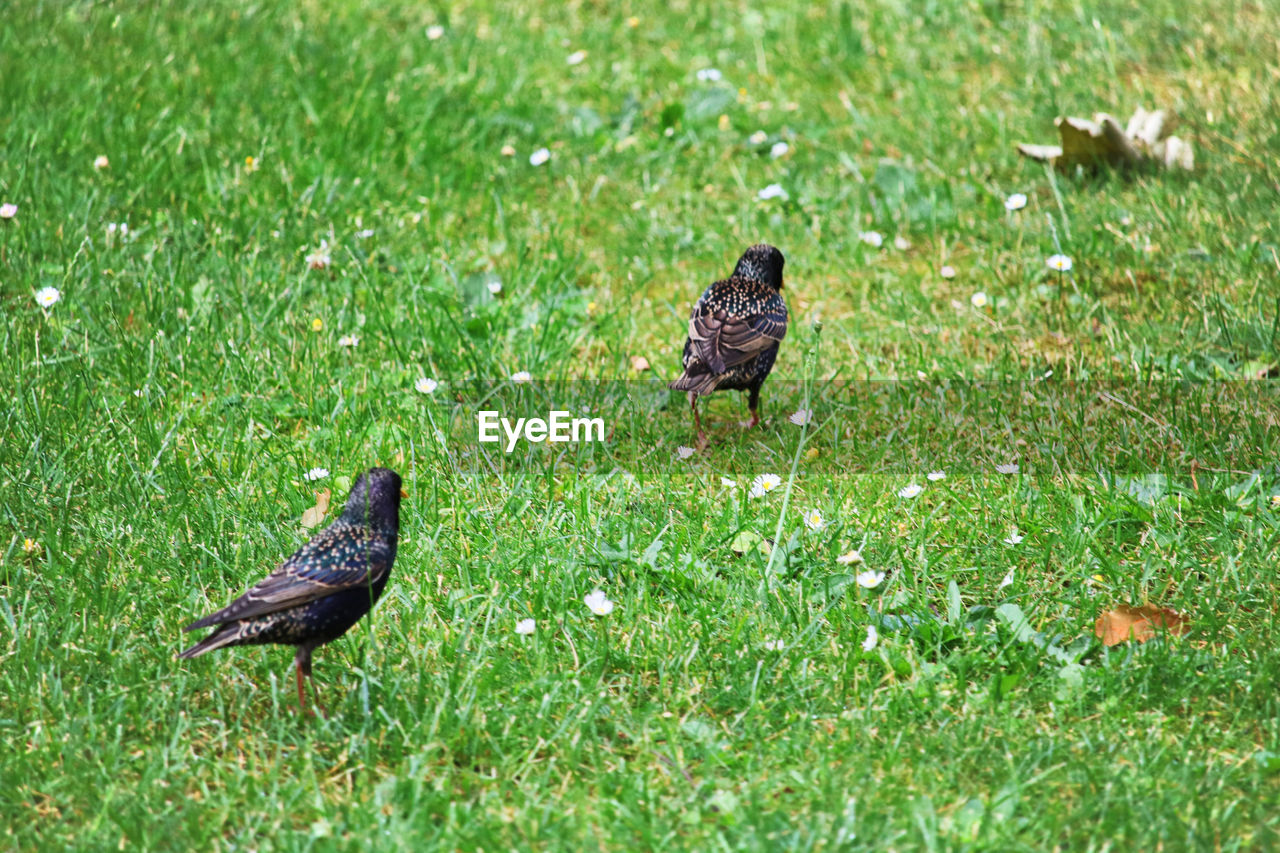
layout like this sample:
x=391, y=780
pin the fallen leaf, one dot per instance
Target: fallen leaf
x=1088, y=143
x=744, y=542
x=1125, y=623
x=315, y=515
x=639, y=363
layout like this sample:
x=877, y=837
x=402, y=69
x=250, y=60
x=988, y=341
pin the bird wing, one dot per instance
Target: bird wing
x=340, y=557
x=724, y=338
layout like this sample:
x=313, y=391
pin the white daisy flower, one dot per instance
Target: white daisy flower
x=30, y=545
x=728, y=484
x=910, y=490
x=800, y=417
x=901, y=243
x=1061, y=263
x=1007, y=468
x=779, y=149
x=8, y=211
x=101, y=162
x=870, y=579
x=598, y=603
x=979, y=300
x=349, y=341
x=772, y=191
x=435, y=32
x=1016, y=201
x=873, y=637
x=1008, y=579
x=47, y=297
x=764, y=484
x=425, y=385
x=521, y=376
x=709, y=75
x=774, y=645
x=316, y=474
x=871, y=238
x=758, y=138
x=576, y=57
x=539, y=157
x=319, y=259
x=508, y=151
x=364, y=234
x=525, y=627
x=947, y=271
x=848, y=558
x=494, y=287
x=684, y=452
x=935, y=476
x=1014, y=537
x=813, y=519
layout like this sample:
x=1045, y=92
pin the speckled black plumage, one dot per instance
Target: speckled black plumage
x=734, y=332
x=316, y=595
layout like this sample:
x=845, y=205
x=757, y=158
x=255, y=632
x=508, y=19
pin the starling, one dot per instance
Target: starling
x=324, y=588
x=734, y=332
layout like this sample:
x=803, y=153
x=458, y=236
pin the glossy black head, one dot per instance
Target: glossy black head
x=761, y=262
x=375, y=500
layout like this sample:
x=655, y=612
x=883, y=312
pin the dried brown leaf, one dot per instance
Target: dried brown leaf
x=1124, y=623
x=315, y=514
x=1092, y=142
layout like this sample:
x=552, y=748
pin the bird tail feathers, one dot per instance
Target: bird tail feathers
x=225, y=635
x=204, y=622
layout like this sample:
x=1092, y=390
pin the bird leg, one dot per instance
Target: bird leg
x=302, y=698
x=302, y=662
x=753, y=406
x=697, y=421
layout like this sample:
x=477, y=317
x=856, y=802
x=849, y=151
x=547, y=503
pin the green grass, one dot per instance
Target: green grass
x=162, y=416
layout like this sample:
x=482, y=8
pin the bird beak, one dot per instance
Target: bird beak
x=403, y=493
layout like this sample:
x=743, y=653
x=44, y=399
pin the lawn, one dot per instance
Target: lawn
x=266, y=223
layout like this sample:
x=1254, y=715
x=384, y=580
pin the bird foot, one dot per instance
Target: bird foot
x=701, y=443
x=749, y=424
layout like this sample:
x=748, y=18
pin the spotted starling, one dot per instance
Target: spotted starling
x=324, y=588
x=734, y=332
